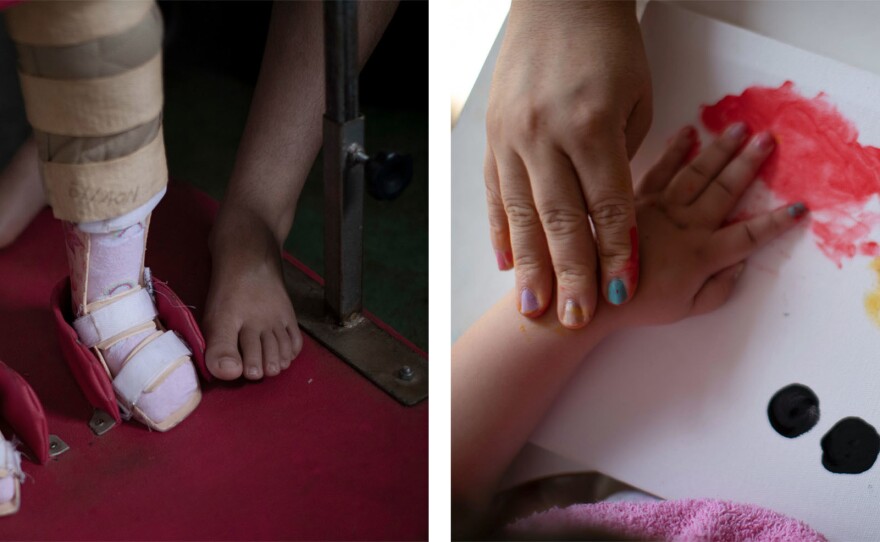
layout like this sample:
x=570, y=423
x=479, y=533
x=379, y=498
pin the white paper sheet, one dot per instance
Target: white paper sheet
x=680, y=411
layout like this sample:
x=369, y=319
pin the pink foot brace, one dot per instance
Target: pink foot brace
x=106, y=261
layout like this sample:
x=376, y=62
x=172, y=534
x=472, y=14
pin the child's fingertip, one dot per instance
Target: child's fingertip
x=797, y=210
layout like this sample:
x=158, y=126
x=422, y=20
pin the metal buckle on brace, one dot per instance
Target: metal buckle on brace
x=124, y=411
x=148, y=283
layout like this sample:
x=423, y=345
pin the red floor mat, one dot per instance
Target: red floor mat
x=316, y=453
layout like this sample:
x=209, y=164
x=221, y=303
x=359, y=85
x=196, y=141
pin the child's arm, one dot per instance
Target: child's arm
x=507, y=369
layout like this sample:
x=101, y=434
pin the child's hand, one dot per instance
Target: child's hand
x=690, y=259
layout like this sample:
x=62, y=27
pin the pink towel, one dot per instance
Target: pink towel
x=684, y=520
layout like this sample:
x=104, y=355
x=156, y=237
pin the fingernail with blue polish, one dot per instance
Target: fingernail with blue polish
x=616, y=292
x=797, y=210
x=528, y=303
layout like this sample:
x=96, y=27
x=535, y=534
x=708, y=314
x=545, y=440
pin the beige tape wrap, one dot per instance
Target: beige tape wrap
x=101, y=57
x=102, y=190
x=94, y=107
x=72, y=21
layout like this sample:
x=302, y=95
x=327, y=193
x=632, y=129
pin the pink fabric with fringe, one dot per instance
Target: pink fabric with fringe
x=679, y=520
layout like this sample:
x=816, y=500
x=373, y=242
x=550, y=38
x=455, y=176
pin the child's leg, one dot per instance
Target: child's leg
x=249, y=322
x=91, y=78
x=21, y=193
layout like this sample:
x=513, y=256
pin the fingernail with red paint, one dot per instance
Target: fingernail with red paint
x=504, y=259
x=765, y=141
x=797, y=210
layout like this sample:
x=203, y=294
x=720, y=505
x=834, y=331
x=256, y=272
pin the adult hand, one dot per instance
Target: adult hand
x=570, y=104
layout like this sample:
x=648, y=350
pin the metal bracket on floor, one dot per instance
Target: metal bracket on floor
x=332, y=313
x=101, y=422
x=369, y=349
x=57, y=446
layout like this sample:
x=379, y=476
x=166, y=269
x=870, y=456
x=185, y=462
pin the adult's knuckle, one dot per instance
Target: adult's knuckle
x=528, y=264
x=521, y=213
x=614, y=253
x=612, y=213
x=493, y=194
x=589, y=122
x=526, y=121
x=574, y=275
x=561, y=222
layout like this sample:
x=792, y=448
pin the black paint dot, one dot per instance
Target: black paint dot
x=850, y=447
x=793, y=410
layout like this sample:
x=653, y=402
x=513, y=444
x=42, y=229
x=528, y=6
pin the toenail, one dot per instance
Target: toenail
x=273, y=367
x=228, y=363
x=253, y=372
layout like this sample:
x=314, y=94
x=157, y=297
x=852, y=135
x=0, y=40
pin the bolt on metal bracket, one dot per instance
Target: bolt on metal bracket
x=57, y=446
x=101, y=422
x=389, y=364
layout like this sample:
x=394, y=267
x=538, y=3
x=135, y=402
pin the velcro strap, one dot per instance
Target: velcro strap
x=125, y=313
x=147, y=365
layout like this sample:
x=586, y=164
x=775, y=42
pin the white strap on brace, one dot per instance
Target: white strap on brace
x=125, y=313
x=128, y=219
x=10, y=459
x=147, y=365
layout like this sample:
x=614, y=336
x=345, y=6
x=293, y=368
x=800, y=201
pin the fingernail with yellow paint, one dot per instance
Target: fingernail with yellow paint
x=573, y=315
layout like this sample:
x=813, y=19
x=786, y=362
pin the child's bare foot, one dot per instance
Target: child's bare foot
x=249, y=323
x=21, y=193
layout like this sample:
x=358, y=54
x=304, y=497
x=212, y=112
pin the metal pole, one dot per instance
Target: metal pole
x=343, y=176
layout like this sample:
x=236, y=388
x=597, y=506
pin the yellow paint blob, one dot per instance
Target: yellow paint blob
x=872, y=299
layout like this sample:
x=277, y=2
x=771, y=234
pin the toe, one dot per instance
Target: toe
x=285, y=347
x=296, y=340
x=252, y=354
x=221, y=356
x=271, y=357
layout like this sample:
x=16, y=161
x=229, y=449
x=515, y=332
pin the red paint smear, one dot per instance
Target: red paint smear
x=632, y=265
x=695, y=146
x=818, y=160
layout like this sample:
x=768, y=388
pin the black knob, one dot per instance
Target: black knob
x=388, y=174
